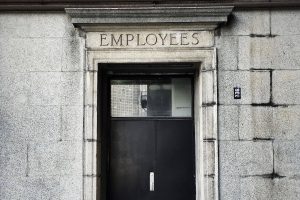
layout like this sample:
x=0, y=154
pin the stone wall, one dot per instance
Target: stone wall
x=259, y=134
x=41, y=107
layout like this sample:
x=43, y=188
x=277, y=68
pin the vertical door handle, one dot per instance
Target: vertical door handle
x=151, y=178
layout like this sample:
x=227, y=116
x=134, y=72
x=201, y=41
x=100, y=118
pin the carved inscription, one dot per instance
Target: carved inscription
x=149, y=39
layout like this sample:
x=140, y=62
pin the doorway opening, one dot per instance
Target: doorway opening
x=146, y=122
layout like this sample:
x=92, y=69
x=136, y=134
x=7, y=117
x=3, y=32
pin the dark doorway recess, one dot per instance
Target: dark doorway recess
x=146, y=127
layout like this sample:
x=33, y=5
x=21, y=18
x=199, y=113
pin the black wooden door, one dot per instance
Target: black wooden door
x=163, y=146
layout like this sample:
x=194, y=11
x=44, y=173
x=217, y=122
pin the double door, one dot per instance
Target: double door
x=151, y=140
x=152, y=159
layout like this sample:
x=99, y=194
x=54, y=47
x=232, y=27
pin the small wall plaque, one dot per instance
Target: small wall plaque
x=237, y=93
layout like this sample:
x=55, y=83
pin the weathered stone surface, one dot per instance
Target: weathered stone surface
x=287, y=188
x=90, y=185
x=285, y=52
x=285, y=22
x=280, y=52
x=157, y=15
x=247, y=22
x=72, y=123
x=73, y=54
x=91, y=79
x=55, y=158
x=236, y=187
x=30, y=54
x=255, y=122
x=256, y=188
x=71, y=187
x=13, y=159
x=29, y=188
x=228, y=122
x=43, y=123
x=30, y=123
x=286, y=87
x=29, y=45
x=89, y=122
x=255, y=87
x=230, y=187
x=56, y=88
x=40, y=105
x=14, y=88
x=72, y=88
x=44, y=158
x=71, y=158
x=254, y=53
x=209, y=188
x=209, y=128
x=265, y=122
x=209, y=158
x=208, y=91
x=21, y=25
x=227, y=48
x=245, y=158
x=149, y=39
x=90, y=154
x=45, y=88
x=41, y=188
x=287, y=158
x=205, y=56
x=286, y=124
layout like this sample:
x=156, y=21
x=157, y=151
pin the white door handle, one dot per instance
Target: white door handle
x=151, y=177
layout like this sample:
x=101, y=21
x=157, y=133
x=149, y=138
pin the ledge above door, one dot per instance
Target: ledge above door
x=209, y=17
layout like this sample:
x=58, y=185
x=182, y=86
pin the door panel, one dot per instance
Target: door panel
x=165, y=147
x=132, y=156
x=175, y=160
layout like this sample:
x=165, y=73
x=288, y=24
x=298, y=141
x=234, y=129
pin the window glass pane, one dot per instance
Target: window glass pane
x=169, y=97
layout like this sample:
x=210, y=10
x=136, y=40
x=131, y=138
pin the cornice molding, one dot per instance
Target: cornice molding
x=61, y=5
x=210, y=16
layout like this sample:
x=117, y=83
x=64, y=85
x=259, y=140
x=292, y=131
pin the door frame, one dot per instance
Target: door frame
x=133, y=72
x=94, y=21
x=205, y=112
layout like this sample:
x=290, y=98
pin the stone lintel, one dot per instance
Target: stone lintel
x=208, y=16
